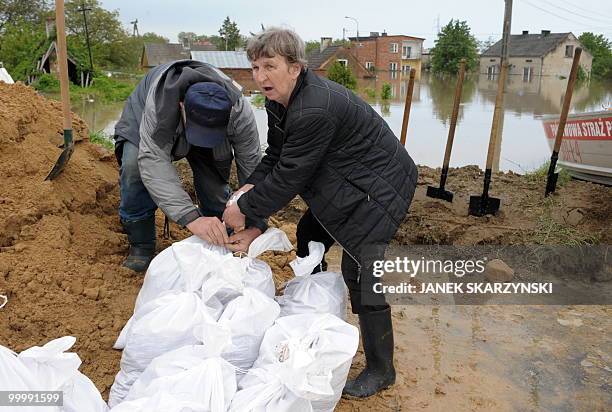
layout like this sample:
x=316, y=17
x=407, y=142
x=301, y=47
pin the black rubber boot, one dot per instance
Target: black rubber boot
x=377, y=338
x=141, y=235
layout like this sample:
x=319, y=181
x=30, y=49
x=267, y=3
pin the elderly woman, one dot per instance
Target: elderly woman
x=331, y=148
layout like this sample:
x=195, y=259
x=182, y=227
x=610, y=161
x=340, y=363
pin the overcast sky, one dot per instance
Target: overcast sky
x=315, y=18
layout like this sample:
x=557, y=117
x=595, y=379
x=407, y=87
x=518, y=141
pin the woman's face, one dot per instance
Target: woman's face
x=275, y=77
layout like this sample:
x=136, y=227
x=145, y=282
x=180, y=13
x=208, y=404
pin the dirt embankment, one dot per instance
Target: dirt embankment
x=61, y=244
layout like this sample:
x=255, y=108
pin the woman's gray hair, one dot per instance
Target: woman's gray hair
x=277, y=41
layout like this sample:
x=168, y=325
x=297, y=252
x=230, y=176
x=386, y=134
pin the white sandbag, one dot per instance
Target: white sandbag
x=160, y=402
x=15, y=376
x=194, y=373
x=197, y=255
x=57, y=370
x=322, y=292
x=247, y=317
x=318, y=347
x=261, y=390
x=228, y=280
x=160, y=326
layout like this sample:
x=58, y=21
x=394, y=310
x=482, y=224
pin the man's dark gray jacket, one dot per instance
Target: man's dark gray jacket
x=330, y=147
x=151, y=120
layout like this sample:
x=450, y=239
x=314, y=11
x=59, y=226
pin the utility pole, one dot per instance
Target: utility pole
x=84, y=10
x=504, y=60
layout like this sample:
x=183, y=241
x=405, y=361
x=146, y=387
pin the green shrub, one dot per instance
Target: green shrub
x=385, y=94
x=342, y=75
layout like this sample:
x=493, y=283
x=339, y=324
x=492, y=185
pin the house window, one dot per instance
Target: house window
x=393, y=66
x=491, y=72
x=406, y=52
x=528, y=61
x=569, y=51
x=527, y=74
x=393, y=75
x=393, y=47
x=405, y=68
x=343, y=62
x=492, y=60
x=369, y=65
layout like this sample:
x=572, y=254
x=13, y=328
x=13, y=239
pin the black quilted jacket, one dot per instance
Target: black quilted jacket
x=330, y=147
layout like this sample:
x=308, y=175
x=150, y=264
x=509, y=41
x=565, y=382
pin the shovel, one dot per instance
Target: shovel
x=485, y=205
x=440, y=192
x=62, y=61
x=551, y=181
x=407, y=106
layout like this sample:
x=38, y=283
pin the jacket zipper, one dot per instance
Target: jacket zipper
x=343, y=248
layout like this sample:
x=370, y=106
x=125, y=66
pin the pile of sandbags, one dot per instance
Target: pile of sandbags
x=206, y=334
x=50, y=368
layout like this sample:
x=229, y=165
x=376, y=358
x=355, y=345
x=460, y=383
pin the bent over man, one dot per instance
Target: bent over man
x=183, y=109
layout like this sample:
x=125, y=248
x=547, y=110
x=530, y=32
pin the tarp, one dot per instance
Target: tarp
x=5, y=76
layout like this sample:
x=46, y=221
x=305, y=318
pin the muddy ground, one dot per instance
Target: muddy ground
x=61, y=248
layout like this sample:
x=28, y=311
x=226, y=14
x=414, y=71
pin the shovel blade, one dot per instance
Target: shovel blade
x=439, y=193
x=61, y=163
x=483, y=205
x=551, y=183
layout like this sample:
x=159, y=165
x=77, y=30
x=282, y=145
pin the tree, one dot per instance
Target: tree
x=110, y=44
x=342, y=74
x=29, y=11
x=454, y=42
x=187, y=38
x=22, y=43
x=601, y=49
x=484, y=45
x=312, y=46
x=231, y=34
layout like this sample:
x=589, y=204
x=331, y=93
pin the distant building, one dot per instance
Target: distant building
x=541, y=54
x=396, y=54
x=154, y=54
x=233, y=63
x=320, y=60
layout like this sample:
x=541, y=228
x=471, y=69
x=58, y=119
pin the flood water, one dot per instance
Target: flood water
x=523, y=147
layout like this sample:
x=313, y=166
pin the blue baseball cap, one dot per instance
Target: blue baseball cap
x=207, y=110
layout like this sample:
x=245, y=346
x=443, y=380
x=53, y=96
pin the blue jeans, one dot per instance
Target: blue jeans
x=210, y=180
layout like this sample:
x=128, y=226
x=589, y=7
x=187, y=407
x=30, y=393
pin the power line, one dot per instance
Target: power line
x=585, y=10
x=563, y=18
x=577, y=14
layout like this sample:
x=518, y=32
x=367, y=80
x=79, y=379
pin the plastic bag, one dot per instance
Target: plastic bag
x=264, y=391
x=57, y=370
x=312, y=353
x=247, y=317
x=194, y=373
x=160, y=402
x=322, y=292
x=160, y=326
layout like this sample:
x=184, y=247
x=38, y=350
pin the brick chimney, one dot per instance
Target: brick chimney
x=525, y=32
x=545, y=33
x=325, y=43
x=374, y=34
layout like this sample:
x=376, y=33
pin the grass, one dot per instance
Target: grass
x=103, y=88
x=102, y=139
x=258, y=100
x=540, y=174
x=549, y=231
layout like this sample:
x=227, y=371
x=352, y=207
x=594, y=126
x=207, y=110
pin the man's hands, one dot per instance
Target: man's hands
x=240, y=242
x=211, y=229
x=233, y=217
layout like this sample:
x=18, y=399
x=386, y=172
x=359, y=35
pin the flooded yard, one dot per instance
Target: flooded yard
x=523, y=147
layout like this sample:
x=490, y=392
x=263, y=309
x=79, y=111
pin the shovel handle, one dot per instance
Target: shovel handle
x=567, y=99
x=455, y=114
x=497, y=114
x=62, y=61
x=407, y=106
